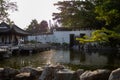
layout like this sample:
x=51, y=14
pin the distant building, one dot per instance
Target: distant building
x=11, y=34
x=58, y=36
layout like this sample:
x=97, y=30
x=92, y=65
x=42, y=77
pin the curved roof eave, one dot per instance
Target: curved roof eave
x=19, y=30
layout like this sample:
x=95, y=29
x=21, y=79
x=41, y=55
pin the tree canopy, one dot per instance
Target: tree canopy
x=5, y=6
x=33, y=27
x=89, y=14
x=77, y=14
x=102, y=36
x=43, y=26
x=108, y=11
x=36, y=27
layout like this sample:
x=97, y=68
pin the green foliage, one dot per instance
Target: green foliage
x=33, y=41
x=108, y=11
x=77, y=14
x=102, y=36
x=5, y=6
x=36, y=27
x=43, y=26
x=117, y=28
x=33, y=27
x=65, y=44
x=89, y=14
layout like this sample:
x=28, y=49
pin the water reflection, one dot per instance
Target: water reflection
x=103, y=58
x=74, y=57
x=35, y=60
x=79, y=57
x=83, y=58
x=61, y=56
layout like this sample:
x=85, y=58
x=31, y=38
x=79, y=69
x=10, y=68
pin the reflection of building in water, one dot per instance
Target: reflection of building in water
x=77, y=57
x=62, y=56
x=113, y=57
x=95, y=59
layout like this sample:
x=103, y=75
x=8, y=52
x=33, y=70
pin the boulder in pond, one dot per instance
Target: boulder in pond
x=1, y=73
x=34, y=72
x=48, y=73
x=99, y=74
x=64, y=74
x=10, y=73
x=77, y=73
x=23, y=76
x=115, y=75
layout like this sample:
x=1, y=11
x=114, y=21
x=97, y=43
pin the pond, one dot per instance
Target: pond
x=73, y=59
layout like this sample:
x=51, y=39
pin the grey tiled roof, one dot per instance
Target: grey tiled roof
x=18, y=30
x=5, y=28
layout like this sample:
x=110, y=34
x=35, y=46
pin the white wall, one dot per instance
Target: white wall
x=58, y=36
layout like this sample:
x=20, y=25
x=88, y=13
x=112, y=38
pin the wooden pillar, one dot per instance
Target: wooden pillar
x=71, y=40
x=0, y=39
x=10, y=39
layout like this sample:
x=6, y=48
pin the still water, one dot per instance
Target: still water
x=73, y=59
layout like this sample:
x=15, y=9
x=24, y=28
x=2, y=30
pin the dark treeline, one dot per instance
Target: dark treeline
x=93, y=14
x=36, y=27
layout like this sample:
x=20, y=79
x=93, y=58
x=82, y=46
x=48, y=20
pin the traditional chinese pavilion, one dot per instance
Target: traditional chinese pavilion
x=11, y=34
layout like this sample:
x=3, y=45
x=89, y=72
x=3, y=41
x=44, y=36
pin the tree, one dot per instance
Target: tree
x=36, y=27
x=77, y=14
x=33, y=27
x=43, y=26
x=108, y=11
x=103, y=36
x=5, y=6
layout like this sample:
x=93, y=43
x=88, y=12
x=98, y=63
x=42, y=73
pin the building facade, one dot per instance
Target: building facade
x=58, y=36
x=11, y=34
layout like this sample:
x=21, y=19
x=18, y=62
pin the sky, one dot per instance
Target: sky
x=33, y=9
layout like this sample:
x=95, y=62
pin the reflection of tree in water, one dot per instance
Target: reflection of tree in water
x=103, y=58
x=113, y=57
x=82, y=57
x=76, y=54
x=33, y=60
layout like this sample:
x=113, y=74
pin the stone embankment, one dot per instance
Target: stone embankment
x=58, y=72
